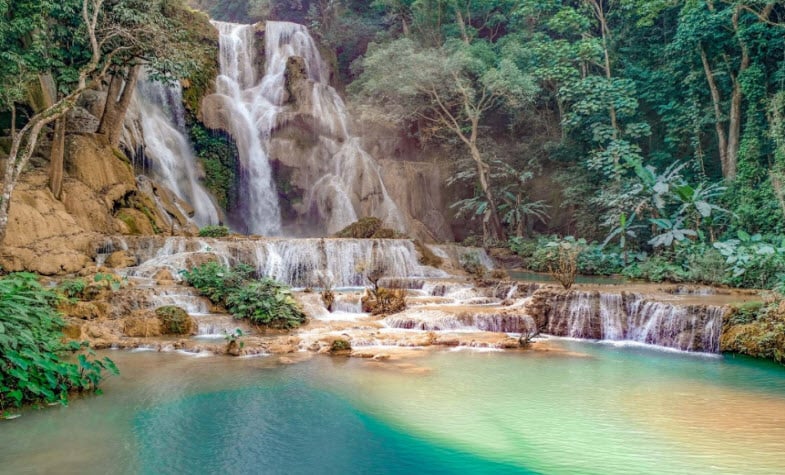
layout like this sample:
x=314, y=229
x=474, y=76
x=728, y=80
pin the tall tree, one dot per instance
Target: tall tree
x=451, y=90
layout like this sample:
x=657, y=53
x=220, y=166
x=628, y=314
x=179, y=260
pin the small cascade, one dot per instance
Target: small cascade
x=630, y=317
x=342, y=181
x=218, y=325
x=296, y=262
x=427, y=319
x=167, y=150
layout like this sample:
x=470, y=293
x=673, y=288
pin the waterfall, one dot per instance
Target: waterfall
x=341, y=181
x=173, y=164
x=296, y=262
x=630, y=317
x=250, y=117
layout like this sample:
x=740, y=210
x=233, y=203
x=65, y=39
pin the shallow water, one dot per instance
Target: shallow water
x=589, y=409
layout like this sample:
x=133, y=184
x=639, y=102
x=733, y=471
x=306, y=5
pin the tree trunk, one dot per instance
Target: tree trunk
x=117, y=103
x=56, y=158
x=483, y=172
x=13, y=121
x=722, y=141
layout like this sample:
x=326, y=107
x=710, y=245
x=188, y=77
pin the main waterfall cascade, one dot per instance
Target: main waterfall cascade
x=159, y=133
x=341, y=181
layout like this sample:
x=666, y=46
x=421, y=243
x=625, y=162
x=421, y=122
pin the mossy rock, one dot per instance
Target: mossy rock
x=368, y=228
x=427, y=257
x=175, y=321
x=340, y=346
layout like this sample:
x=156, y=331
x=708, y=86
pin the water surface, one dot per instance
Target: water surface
x=592, y=409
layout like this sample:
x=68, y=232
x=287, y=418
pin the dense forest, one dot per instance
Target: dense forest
x=597, y=137
x=655, y=127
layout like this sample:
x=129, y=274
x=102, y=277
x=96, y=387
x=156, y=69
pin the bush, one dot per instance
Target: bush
x=32, y=368
x=471, y=263
x=564, y=260
x=384, y=301
x=216, y=281
x=263, y=302
x=214, y=231
x=174, y=320
x=339, y=345
x=73, y=288
x=427, y=257
x=367, y=228
x=659, y=268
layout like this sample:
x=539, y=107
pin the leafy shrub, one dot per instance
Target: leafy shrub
x=564, y=260
x=31, y=350
x=72, y=288
x=214, y=231
x=174, y=320
x=339, y=345
x=595, y=260
x=367, y=228
x=384, y=301
x=472, y=264
x=658, y=268
x=263, y=302
x=216, y=281
x=427, y=257
x=753, y=261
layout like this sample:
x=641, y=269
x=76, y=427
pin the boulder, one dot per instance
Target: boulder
x=119, y=259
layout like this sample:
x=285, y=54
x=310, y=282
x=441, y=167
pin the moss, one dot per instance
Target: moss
x=221, y=161
x=339, y=345
x=204, y=49
x=129, y=221
x=756, y=330
x=174, y=320
x=427, y=257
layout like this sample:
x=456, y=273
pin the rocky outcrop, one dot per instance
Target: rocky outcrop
x=100, y=197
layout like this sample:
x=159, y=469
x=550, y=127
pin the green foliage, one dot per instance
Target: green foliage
x=266, y=302
x=220, y=159
x=367, y=228
x=340, y=345
x=72, y=288
x=215, y=281
x=756, y=329
x=262, y=302
x=753, y=261
x=214, y=231
x=472, y=264
x=33, y=367
x=174, y=320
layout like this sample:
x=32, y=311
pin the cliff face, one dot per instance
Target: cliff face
x=101, y=197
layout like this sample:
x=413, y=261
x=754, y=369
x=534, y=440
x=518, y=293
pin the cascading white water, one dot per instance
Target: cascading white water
x=251, y=117
x=610, y=316
x=296, y=262
x=342, y=181
x=166, y=147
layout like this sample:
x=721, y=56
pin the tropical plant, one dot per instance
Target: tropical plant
x=671, y=231
x=263, y=302
x=34, y=364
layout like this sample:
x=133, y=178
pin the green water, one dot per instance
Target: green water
x=592, y=409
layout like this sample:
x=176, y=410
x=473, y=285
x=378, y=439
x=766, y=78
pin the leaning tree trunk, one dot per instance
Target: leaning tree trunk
x=118, y=98
x=483, y=172
x=56, y=158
